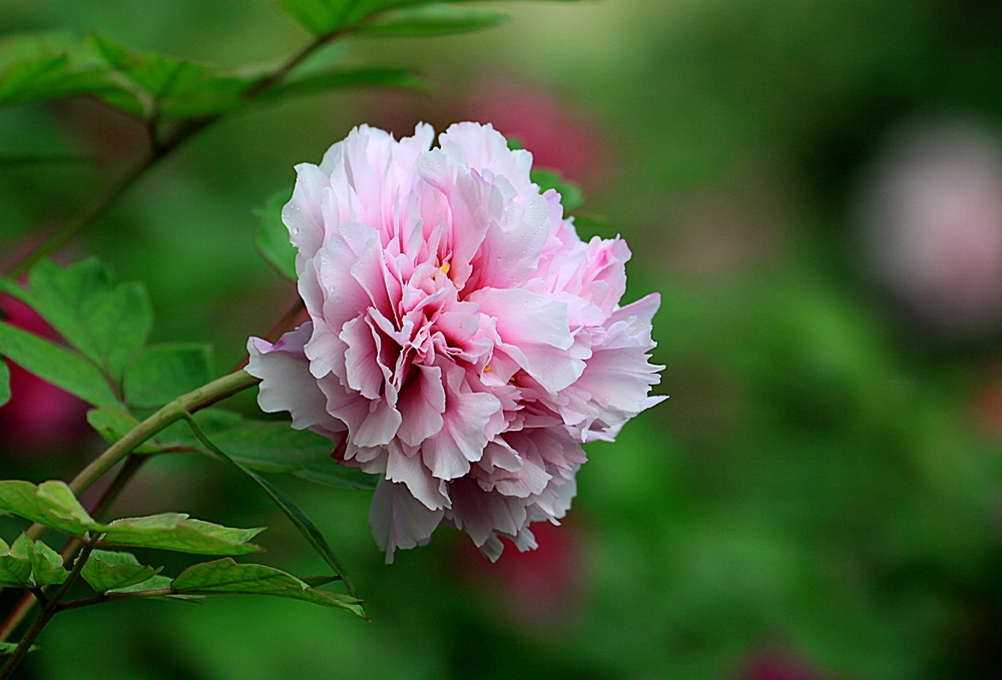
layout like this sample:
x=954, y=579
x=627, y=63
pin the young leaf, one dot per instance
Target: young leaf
x=51, y=504
x=7, y=648
x=46, y=564
x=164, y=372
x=227, y=576
x=57, y=365
x=15, y=568
x=272, y=237
x=571, y=196
x=106, y=570
x=107, y=323
x=177, y=532
x=4, y=382
x=299, y=518
x=430, y=20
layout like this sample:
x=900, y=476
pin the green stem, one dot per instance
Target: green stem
x=48, y=611
x=176, y=410
x=69, y=551
x=206, y=395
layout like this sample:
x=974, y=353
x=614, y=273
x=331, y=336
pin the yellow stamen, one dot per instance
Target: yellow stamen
x=445, y=268
x=487, y=368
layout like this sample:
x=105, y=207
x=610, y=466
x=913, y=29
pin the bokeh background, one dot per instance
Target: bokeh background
x=815, y=188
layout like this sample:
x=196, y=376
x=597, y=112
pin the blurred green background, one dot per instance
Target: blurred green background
x=813, y=187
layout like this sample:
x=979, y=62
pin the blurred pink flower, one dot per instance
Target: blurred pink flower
x=464, y=342
x=40, y=417
x=932, y=218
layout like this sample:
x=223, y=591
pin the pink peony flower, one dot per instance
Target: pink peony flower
x=463, y=342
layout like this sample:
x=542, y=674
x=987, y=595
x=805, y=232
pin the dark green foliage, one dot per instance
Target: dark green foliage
x=271, y=238
x=164, y=372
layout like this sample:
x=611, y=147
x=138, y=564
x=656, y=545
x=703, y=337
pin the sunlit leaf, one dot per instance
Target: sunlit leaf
x=57, y=365
x=430, y=20
x=272, y=237
x=50, y=504
x=300, y=520
x=105, y=570
x=345, y=77
x=107, y=323
x=229, y=577
x=15, y=568
x=177, y=532
x=46, y=564
x=164, y=372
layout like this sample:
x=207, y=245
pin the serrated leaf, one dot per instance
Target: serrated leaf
x=106, y=570
x=340, y=78
x=50, y=504
x=162, y=373
x=430, y=20
x=271, y=238
x=4, y=381
x=15, y=568
x=108, y=324
x=181, y=87
x=299, y=519
x=571, y=196
x=57, y=365
x=177, y=532
x=46, y=564
x=229, y=577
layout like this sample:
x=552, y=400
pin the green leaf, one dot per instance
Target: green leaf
x=340, y=78
x=108, y=324
x=106, y=570
x=227, y=576
x=46, y=564
x=571, y=196
x=430, y=20
x=158, y=586
x=4, y=381
x=15, y=568
x=38, y=66
x=299, y=518
x=50, y=504
x=272, y=237
x=177, y=532
x=180, y=87
x=57, y=365
x=322, y=17
x=275, y=447
x=7, y=648
x=164, y=372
